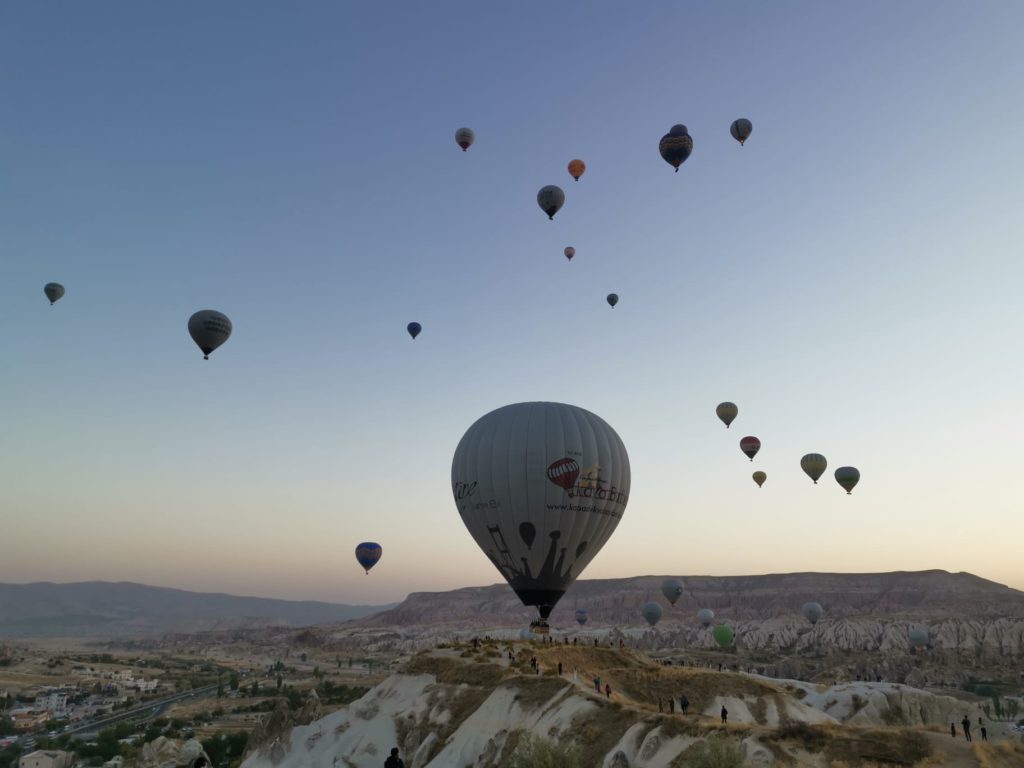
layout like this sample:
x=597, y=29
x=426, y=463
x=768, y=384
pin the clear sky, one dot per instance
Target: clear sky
x=850, y=278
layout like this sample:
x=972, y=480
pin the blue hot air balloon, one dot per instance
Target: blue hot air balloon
x=414, y=329
x=368, y=553
x=581, y=616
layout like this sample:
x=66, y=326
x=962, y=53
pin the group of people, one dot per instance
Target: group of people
x=597, y=687
x=966, y=725
x=684, y=705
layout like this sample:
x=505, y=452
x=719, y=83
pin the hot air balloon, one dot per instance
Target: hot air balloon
x=551, y=199
x=414, y=329
x=209, y=329
x=705, y=616
x=675, y=146
x=750, y=446
x=918, y=637
x=814, y=466
x=651, y=613
x=812, y=612
x=581, y=616
x=727, y=412
x=848, y=477
x=672, y=589
x=741, y=129
x=569, y=252
x=544, y=475
x=576, y=168
x=759, y=478
x=368, y=553
x=53, y=292
x=612, y=299
x=465, y=137
x=723, y=634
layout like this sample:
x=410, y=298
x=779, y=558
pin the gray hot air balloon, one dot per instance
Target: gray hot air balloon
x=209, y=329
x=705, y=616
x=814, y=466
x=569, y=252
x=651, y=613
x=812, y=612
x=672, y=589
x=551, y=199
x=741, y=129
x=53, y=292
x=541, y=487
x=465, y=137
x=918, y=637
x=675, y=146
x=848, y=477
x=612, y=299
x=727, y=412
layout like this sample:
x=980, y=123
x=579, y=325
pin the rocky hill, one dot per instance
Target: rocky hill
x=105, y=609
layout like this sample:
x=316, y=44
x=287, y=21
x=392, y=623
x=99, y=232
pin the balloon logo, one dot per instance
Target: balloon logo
x=750, y=446
x=368, y=553
x=551, y=199
x=414, y=329
x=465, y=137
x=564, y=472
x=209, y=329
x=539, y=540
x=576, y=168
x=741, y=129
x=727, y=412
x=675, y=146
x=53, y=292
x=569, y=252
x=613, y=299
x=759, y=478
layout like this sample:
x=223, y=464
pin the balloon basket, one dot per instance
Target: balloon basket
x=540, y=627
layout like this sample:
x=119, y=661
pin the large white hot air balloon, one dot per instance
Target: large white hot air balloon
x=541, y=487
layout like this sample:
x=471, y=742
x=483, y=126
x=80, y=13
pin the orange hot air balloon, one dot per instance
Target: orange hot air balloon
x=577, y=168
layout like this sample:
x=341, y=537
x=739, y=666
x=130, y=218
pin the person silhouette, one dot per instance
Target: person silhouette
x=394, y=761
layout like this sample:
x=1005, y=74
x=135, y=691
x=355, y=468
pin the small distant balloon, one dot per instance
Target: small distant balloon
x=918, y=637
x=651, y=613
x=551, y=199
x=672, y=589
x=741, y=129
x=569, y=252
x=581, y=616
x=414, y=329
x=812, y=612
x=814, y=466
x=368, y=553
x=750, y=445
x=577, y=168
x=727, y=412
x=209, y=329
x=705, y=616
x=613, y=299
x=53, y=292
x=675, y=146
x=848, y=477
x=759, y=478
x=723, y=634
x=465, y=137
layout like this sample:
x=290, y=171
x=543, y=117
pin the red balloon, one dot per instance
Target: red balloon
x=564, y=472
x=750, y=446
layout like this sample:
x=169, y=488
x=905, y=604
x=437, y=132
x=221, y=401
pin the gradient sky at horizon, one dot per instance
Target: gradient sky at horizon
x=850, y=278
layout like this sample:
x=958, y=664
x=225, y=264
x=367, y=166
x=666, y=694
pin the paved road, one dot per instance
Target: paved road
x=141, y=713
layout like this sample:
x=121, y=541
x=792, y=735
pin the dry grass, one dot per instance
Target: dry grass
x=1003, y=754
x=455, y=672
x=534, y=691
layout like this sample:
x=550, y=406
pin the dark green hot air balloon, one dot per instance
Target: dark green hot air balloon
x=848, y=477
x=723, y=634
x=741, y=129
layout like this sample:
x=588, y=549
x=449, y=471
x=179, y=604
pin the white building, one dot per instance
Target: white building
x=53, y=702
x=46, y=759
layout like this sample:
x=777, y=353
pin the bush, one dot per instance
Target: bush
x=537, y=753
x=717, y=751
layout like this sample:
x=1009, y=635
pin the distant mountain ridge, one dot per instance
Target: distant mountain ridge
x=120, y=609
x=924, y=595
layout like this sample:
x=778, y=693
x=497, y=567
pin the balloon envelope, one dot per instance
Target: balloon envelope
x=53, y=292
x=672, y=589
x=750, y=445
x=581, y=617
x=741, y=129
x=465, y=137
x=705, y=616
x=723, y=634
x=209, y=329
x=414, y=329
x=812, y=612
x=569, y=252
x=759, y=478
x=814, y=466
x=551, y=199
x=675, y=146
x=727, y=412
x=368, y=553
x=848, y=477
x=918, y=637
x=651, y=613
x=576, y=168
x=612, y=299
x=541, y=487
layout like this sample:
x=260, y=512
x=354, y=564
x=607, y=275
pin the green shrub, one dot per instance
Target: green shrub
x=717, y=751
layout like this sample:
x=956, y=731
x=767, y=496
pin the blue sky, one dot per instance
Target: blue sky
x=849, y=278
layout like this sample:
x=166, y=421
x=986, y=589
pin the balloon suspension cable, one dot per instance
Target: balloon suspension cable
x=206, y=357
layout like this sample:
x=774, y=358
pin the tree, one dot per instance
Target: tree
x=233, y=681
x=6, y=726
x=280, y=681
x=302, y=656
x=255, y=690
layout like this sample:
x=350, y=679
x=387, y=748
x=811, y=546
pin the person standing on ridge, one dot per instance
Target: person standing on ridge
x=394, y=761
x=671, y=705
x=684, y=704
x=607, y=690
x=984, y=734
x=966, y=724
x=952, y=730
x=725, y=715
